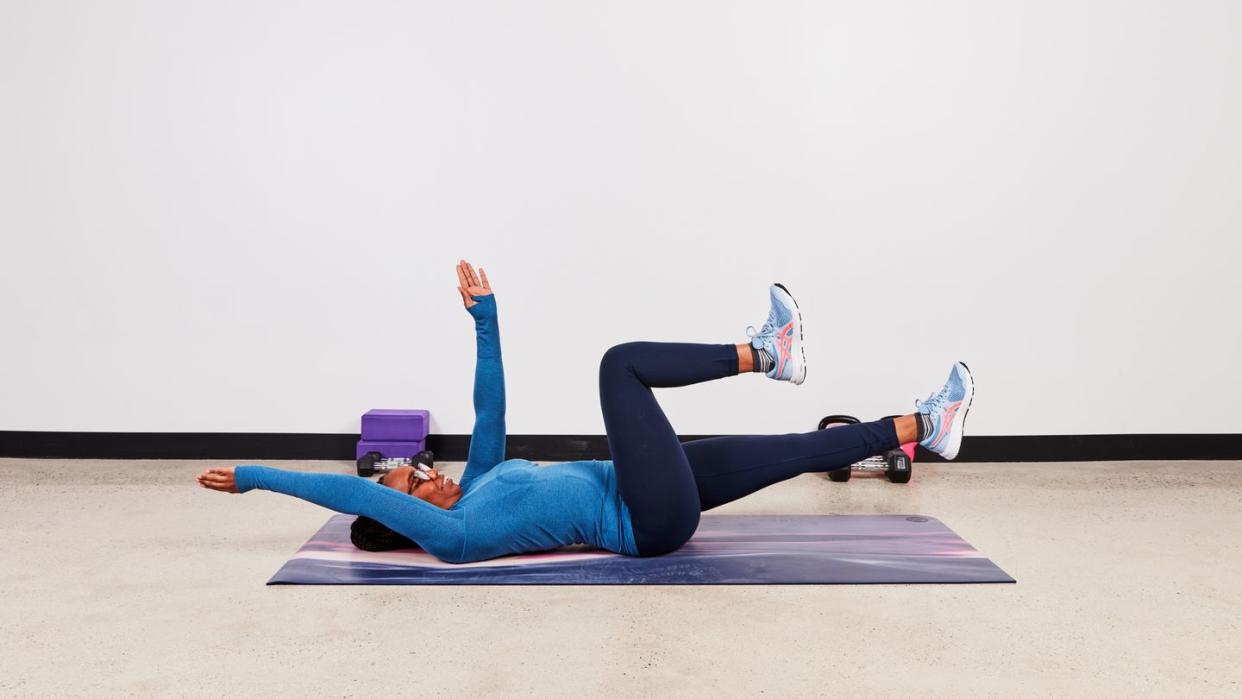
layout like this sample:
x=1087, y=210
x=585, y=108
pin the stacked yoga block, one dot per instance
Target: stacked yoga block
x=394, y=433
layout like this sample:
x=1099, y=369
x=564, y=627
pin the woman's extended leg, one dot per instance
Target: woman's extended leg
x=730, y=467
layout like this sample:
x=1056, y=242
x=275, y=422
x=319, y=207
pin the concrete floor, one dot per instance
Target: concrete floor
x=125, y=578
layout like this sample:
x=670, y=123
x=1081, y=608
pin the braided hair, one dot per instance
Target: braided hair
x=369, y=535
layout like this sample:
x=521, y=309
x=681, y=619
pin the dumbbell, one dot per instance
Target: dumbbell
x=899, y=466
x=895, y=463
x=374, y=462
x=838, y=475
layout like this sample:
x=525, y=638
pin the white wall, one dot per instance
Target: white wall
x=244, y=216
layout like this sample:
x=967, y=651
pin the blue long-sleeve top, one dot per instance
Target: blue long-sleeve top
x=507, y=505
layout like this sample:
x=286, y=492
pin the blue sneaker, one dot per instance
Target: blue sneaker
x=947, y=410
x=781, y=336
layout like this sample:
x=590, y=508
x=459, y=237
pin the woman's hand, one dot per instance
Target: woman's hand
x=220, y=479
x=470, y=284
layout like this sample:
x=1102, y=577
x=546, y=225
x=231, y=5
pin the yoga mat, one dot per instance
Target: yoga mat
x=726, y=550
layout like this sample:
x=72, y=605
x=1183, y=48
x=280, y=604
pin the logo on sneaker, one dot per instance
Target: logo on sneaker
x=784, y=341
x=946, y=421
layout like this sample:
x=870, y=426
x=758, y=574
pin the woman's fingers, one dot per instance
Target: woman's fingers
x=465, y=274
x=472, y=281
x=222, y=482
x=221, y=479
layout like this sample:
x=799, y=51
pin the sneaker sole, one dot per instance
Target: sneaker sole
x=959, y=420
x=800, y=371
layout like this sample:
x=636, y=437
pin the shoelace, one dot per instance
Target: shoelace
x=769, y=327
x=934, y=402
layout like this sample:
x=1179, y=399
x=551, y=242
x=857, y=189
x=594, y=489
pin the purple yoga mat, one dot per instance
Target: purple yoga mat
x=726, y=550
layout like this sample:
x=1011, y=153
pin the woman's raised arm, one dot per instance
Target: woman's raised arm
x=487, y=442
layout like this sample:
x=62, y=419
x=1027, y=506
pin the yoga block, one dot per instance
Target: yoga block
x=390, y=449
x=396, y=425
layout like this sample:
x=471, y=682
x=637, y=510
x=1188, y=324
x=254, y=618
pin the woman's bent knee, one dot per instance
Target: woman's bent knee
x=617, y=357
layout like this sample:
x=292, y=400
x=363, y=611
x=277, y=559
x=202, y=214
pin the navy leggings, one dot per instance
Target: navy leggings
x=665, y=483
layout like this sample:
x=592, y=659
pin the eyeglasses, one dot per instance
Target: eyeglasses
x=421, y=472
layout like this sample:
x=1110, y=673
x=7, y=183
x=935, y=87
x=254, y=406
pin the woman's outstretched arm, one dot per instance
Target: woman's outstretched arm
x=487, y=442
x=438, y=531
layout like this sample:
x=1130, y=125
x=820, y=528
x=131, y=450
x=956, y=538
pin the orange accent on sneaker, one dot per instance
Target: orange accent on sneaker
x=784, y=341
x=945, y=423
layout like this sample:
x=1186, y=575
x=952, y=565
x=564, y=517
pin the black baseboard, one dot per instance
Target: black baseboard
x=254, y=446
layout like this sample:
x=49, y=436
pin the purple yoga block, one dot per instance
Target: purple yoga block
x=395, y=425
x=390, y=449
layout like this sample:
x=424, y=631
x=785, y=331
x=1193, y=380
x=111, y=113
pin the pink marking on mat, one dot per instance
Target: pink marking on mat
x=412, y=559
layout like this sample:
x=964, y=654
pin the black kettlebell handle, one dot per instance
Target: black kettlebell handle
x=830, y=420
